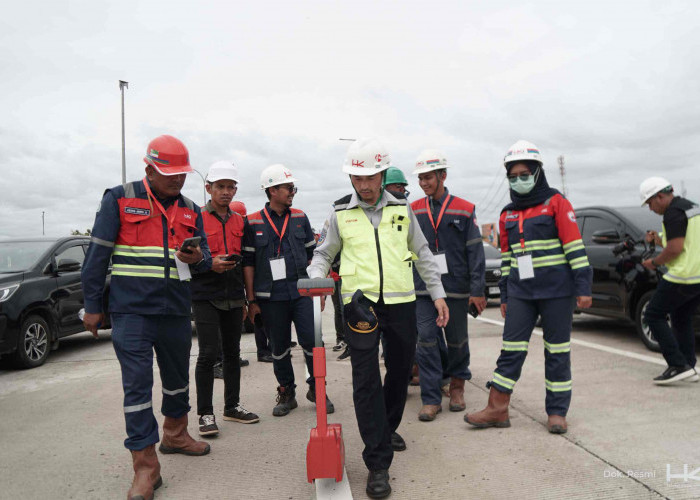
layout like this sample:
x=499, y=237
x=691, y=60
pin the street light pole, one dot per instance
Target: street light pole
x=42, y=224
x=204, y=189
x=122, y=85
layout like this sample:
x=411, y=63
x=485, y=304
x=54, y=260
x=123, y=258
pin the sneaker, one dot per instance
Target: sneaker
x=693, y=378
x=219, y=370
x=339, y=346
x=207, y=425
x=286, y=401
x=243, y=361
x=675, y=374
x=345, y=354
x=311, y=396
x=240, y=414
x=292, y=344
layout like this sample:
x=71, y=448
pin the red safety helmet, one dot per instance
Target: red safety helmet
x=168, y=155
x=238, y=207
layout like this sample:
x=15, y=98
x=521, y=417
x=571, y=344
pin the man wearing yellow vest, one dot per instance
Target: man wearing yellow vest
x=678, y=292
x=379, y=241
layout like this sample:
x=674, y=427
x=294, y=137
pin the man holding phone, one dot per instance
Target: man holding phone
x=449, y=224
x=218, y=301
x=141, y=227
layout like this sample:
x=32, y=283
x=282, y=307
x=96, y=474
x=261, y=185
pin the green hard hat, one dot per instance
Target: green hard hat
x=394, y=175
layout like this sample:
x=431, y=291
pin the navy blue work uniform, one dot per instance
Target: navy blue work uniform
x=549, y=234
x=449, y=226
x=149, y=305
x=267, y=236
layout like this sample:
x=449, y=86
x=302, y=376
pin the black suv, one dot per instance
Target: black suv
x=40, y=295
x=614, y=244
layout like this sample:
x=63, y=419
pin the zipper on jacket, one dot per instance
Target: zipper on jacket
x=379, y=257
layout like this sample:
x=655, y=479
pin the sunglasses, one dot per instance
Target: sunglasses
x=522, y=177
x=291, y=189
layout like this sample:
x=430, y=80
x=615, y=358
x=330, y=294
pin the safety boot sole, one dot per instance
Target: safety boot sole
x=485, y=425
x=166, y=450
x=156, y=485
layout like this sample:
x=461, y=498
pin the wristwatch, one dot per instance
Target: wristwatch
x=249, y=302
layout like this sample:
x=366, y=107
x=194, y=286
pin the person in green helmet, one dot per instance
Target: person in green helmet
x=395, y=182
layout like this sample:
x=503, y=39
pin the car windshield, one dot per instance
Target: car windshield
x=643, y=218
x=491, y=252
x=17, y=256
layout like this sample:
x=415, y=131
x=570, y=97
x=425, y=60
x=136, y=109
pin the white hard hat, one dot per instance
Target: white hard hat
x=522, y=150
x=274, y=175
x=651, y=186
x=222, y=170
x=429, y=160
x=366, y=157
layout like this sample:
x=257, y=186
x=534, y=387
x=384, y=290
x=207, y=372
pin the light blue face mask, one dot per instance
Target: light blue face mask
x=523, y=184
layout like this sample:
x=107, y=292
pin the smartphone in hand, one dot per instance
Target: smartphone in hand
x=473, y=310
x=190, y=242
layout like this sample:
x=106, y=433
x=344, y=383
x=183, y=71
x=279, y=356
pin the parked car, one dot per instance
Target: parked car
x=493, y=271
x=614, y=239
x=40, y=296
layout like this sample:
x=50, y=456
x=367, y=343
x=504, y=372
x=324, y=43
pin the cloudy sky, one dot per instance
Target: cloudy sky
x=611, y=85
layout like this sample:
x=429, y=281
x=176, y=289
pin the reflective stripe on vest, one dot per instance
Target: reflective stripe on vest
x=141, y=271
x=359, y=259
x=685, y=269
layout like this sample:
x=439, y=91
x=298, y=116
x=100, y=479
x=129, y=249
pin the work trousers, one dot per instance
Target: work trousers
x=338, y=312
x=134, y=337
x=218, y=330
x=379, y=409
x=278, y=317
x=428, y=352
x=679, y=302
x=262, y=342
x=521, y=316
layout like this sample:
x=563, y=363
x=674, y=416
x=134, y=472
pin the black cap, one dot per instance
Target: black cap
x=361, y=320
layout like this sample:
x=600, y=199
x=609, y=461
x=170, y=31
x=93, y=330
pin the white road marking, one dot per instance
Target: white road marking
x=329, y=489
x=592, y=345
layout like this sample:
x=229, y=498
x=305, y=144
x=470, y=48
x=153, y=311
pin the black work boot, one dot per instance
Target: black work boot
x=286, y=400
x=311, y=396
x=378, y=484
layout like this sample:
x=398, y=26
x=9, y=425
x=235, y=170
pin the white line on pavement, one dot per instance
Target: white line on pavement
x=329, y=489
x=592, y=345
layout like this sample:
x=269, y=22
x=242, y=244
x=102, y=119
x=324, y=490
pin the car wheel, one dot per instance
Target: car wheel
x=643, y=329
x=33, y=344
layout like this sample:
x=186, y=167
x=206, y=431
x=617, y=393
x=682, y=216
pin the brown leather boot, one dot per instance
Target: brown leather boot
x=146, y=474
x=556, y=424
x=429, y=412
x=457, y=395
x=415, y=380
x=176, y=439
x=495, y=414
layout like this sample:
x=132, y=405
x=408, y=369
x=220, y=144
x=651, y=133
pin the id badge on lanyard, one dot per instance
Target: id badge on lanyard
x=279, y=268
x=440, y=256
x=526, y=270
x=277, y=264
x=441, y=259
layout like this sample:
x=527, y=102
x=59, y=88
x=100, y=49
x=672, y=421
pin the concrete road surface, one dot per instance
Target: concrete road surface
x=62, y=430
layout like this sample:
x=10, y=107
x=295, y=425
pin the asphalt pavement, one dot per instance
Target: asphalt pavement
x=62, y=429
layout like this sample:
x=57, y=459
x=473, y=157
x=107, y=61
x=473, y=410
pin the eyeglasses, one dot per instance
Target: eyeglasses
x=291, y=189
x=522, y=177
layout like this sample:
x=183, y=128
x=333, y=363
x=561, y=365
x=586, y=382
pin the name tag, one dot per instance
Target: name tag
x=279, y=268
x=525, y=269
x=137, y=211
x=441, y=259
x=183, y=270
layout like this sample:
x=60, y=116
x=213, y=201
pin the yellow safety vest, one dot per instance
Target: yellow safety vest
x=685, y=269
x=364, y=247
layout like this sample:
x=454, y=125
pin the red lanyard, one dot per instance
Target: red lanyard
x=522, y=233
x=430, y=216
x=274, y=228
x=170, y=214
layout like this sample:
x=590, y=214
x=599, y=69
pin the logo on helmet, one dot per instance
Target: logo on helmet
x=153, y=153
x=287, y=174
x=378, y=158
x=358, y=163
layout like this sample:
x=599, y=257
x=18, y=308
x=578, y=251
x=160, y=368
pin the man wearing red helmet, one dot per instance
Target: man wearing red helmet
x=141, y=227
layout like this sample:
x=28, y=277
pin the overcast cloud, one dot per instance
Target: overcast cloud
x=612, y=86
